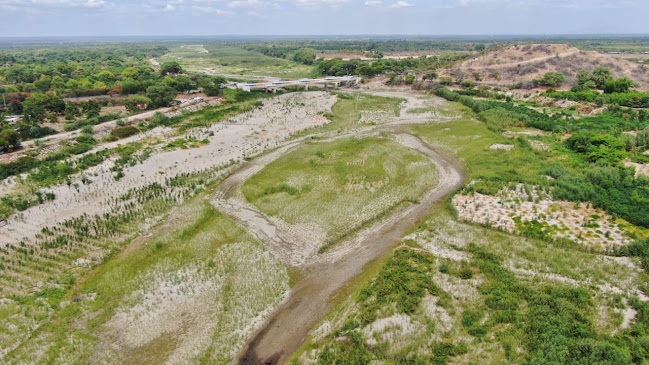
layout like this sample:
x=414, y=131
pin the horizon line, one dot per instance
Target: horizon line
x=381, y=35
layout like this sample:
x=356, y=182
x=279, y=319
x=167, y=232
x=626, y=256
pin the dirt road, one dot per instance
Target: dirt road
x=53, y=141
x=527, y=62
x=324, y=274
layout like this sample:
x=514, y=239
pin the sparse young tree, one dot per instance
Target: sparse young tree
x=410, y=79
x=583, y=77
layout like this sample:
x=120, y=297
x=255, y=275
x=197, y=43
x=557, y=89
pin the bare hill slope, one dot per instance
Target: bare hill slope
x=523, y=63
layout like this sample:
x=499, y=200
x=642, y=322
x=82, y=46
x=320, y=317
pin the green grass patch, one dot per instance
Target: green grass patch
x=512, y=319
x=230, y=60
x=347, y=112
x=470, y=141
x=339, y=186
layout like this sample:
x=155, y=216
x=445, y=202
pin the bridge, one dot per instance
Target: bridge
x=273, y=86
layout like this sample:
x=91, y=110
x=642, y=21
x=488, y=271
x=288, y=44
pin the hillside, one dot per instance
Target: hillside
x=523, y=63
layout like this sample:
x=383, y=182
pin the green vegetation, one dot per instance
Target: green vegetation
x=633, y=99
x=616, y=91
x=58, y=166
x=404, y=280
x=347, y=114
x=399, y=288
x=338, y=67
x=339, y=186
x=201, y=253
x=35, y=81
x=229, y=60
x=361, y=46
x=470, y=141
x=552, y=79
x=614, y=120
x=123, y=132
x=593, y=173
x=451, y=293
x=487, y=312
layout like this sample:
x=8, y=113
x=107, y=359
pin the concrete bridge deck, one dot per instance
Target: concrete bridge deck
x=274, y=85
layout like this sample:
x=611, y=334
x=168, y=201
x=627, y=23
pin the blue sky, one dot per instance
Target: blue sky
x=311, y=17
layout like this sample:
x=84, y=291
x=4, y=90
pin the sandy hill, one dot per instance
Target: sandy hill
x=523, y=63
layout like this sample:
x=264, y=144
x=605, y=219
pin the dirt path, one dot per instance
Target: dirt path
x=309, y=301
x=527, y=62
x=109, y=125
x=324, y=274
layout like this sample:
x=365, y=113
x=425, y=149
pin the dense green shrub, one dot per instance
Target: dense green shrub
x=123, y=132
x=404, y=280
x=556, y=322
x=497, y=119
x=634, y=99
x=552, y=79
x=601, y=179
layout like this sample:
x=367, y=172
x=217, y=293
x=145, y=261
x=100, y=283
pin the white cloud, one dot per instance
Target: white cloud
x=401, y=4
x=201, y=10
x=60, y=3
x=393, y=5
x=95, y=3
x=572, y=4
x=315, y=4
x=248, y=4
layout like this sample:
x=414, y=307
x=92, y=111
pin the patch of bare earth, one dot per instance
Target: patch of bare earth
x=577, y=222
x=641, y=169
x=500, y=146
x=188, y=313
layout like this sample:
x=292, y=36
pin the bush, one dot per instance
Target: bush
x=621, y=85
x=87, y=129
x=552, y=79
x=9, y=139
x=410, y=79
x=123, y=132
x=84, y=138
x=136, y=102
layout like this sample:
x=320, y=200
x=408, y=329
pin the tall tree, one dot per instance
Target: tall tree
x=171, y=68
x=160, y=95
